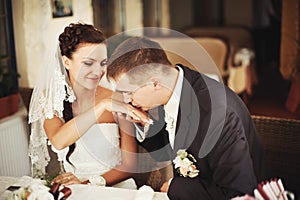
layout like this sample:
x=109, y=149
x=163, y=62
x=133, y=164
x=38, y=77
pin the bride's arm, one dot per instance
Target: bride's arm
x=121, y=172
x=128, y=152
x=62, y=134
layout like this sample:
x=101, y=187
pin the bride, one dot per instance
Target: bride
x=70, y=110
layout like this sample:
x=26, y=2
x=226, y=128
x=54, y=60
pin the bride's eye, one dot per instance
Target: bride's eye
x=103, y=63
x=88, y=63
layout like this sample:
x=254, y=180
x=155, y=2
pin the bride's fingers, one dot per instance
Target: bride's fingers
x=138, y=115
x=71, y=180
x=66, y=179
x=133, y=112
x=124, y=116
x=131, y=119
x=129, y=114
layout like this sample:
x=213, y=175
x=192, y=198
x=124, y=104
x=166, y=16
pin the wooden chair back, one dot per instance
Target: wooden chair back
x=281, y=142
x=208, y=55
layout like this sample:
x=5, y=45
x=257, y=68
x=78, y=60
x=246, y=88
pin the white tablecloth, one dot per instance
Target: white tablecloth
x=88, y=192
x=110, y=193
x=5, y=182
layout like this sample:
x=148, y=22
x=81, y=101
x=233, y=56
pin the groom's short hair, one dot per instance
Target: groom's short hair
x=134, y=52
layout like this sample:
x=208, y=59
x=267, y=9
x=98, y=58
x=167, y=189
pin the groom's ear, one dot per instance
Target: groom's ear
x=66, y=62
x=156, y=83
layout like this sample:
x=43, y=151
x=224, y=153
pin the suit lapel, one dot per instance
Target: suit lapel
x=183, y=119
x=188, y=119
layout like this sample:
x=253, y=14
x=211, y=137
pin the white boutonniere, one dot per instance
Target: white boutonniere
x=185, y=164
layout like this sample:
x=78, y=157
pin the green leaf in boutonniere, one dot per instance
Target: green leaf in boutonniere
x=185, y=164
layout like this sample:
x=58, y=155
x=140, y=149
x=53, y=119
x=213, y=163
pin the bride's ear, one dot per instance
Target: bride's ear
x=66, y=62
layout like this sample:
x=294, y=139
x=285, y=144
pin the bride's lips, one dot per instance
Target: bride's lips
x=94, y=78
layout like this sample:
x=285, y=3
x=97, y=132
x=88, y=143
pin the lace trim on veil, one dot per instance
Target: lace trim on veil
x=52, y=88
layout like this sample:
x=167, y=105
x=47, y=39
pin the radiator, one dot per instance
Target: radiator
x=14, y=159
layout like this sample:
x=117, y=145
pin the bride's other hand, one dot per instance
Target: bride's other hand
x=66, y=179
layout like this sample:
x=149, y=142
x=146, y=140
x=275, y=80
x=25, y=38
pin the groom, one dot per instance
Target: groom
x=192, y=115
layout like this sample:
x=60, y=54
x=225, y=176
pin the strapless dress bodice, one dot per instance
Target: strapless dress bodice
x=96, y=152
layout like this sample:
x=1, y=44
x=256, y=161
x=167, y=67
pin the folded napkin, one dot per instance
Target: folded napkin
x=272, y=190
x=269, y=190
x=59, y=191
x=144, y=193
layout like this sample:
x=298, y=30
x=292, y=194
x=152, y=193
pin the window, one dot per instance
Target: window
x=7, y=46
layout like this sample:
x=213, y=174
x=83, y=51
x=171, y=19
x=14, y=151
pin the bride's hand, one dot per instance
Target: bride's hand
x=130, y=112
x=66, y=179
x=136, y=120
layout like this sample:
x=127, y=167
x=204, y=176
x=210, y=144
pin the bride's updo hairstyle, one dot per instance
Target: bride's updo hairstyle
x=74, y=36
x=77, y=34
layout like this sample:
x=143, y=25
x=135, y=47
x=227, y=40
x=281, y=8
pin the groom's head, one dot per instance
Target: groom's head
x=140, y=68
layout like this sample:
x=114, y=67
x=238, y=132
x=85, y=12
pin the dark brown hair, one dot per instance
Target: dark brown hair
x=69, y=41
x=133, y=52
x=76, y=34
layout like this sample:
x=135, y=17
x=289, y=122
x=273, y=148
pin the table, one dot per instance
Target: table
x=109, y=193
x=88, y=192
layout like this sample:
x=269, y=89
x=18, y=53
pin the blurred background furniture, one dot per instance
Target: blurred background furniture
x=208, y=55
x=26, y=96
x=218, y=49
x=151, y=173
x=281, y=141
x=292, y=103
x=213, y=55
x=241, y=62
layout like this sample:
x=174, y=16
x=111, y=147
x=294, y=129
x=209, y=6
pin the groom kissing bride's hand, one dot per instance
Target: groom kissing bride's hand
x=128, y=111
x=198, y=123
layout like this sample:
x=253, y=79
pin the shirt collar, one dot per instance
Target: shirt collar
x=172, y=105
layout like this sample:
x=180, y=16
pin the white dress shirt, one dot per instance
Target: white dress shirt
x=172, y=106
x=171, y=111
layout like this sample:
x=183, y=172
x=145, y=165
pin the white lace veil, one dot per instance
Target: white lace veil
x=52, y=88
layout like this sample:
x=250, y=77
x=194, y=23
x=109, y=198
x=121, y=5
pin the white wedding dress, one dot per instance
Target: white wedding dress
x=96, y=152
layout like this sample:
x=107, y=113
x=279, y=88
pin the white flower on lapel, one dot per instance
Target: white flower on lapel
x=185, y=164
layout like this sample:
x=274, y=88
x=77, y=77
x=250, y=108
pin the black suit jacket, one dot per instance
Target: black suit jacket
x=214, y=126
